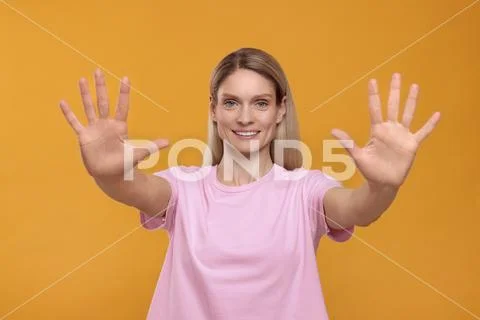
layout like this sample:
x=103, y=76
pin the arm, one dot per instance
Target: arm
x=103, y=143
x=384, y=161
x=346, y=207
x=146, y=192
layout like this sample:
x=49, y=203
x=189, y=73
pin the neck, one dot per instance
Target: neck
x=236, y=175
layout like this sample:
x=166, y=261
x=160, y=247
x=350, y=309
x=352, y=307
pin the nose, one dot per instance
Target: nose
x=245, y=116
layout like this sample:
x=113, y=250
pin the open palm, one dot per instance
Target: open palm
x=103, y=140
x=389, y=154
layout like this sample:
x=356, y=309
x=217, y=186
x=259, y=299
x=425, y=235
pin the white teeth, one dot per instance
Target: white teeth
x=246, y=133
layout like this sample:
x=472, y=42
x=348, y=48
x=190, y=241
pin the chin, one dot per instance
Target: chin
x=244, y=148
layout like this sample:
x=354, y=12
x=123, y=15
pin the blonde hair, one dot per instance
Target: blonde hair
x=266, y=65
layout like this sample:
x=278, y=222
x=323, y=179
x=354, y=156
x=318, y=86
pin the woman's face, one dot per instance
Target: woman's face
x=246, y=111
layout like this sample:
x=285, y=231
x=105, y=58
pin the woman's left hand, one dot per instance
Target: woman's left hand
x=389, y=154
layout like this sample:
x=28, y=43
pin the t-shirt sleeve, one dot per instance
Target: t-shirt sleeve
x=157, y=221
x=316, y=185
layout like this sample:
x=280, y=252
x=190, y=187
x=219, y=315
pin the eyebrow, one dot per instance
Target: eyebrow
x=226, y=94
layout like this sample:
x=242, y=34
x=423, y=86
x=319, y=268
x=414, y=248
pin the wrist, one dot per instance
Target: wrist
x=382, y=188
x=117, y=179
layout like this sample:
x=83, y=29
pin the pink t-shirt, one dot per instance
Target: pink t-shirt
x=242, y=252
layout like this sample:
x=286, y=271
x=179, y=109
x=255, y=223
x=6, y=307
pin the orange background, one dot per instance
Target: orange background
x=68, y=251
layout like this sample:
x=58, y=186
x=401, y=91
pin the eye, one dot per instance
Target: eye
x=228, y=103
x=263, y=104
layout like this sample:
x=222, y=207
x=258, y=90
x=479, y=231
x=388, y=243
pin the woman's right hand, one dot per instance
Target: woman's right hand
x=103, y=140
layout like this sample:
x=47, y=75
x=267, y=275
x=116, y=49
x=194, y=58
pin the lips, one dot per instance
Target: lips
x=245, y=133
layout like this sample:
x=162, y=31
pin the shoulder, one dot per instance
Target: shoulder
x=181, y=173
x=319, y=182
x=306, y=177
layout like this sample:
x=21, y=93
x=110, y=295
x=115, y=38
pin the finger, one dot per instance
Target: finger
x=410, y=106
x=123, y=100
x=394, y=97
x=87, y=101
x=347, y=142
x=141, y=153
x=102, y=96
x=427, y=128
x=71, y=118
x=374, y=102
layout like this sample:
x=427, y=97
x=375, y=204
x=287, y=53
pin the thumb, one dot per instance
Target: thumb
x=148, y=148
x=346, y=142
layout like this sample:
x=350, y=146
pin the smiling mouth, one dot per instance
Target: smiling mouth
x=246, y=134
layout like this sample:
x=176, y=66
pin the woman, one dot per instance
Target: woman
x=242, y=245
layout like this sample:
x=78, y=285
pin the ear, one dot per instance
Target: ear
x=212, y=110
x=282, y=110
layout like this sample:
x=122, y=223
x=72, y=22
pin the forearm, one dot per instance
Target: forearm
x=135, y=193
x=346, y=207
x=368, y=202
